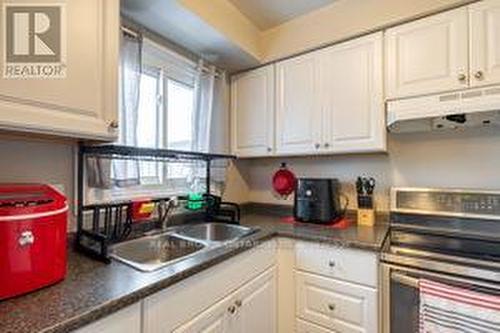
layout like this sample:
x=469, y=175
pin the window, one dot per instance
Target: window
x=164, y=120
x=180, y=99
x=166, y=101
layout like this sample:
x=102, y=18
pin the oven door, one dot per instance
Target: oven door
x=400, y=294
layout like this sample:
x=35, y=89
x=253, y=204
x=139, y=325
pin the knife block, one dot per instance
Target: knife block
x=366, y=217
x=366, y=212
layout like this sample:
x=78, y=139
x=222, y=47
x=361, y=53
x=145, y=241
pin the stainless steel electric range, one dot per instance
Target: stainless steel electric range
x=449, y=236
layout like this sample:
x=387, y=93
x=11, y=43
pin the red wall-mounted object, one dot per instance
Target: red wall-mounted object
x=33, y=223
x=284, y=181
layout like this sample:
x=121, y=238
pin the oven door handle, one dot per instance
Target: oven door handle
x=405, y=279
x=401, y=275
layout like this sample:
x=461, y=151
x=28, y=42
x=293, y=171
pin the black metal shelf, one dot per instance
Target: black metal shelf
x=112, y=221
x=137, y=152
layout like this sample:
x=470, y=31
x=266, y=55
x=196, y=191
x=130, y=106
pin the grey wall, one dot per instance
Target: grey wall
x=470, y=159
x=30, y=159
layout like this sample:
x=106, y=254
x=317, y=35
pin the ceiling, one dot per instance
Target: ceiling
x=170, y=20
x=269, y=13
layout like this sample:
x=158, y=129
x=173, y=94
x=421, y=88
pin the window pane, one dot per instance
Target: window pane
x=147, y=125
x=180, y=115
x=147, y=122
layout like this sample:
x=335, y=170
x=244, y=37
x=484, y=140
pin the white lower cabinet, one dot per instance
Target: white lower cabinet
x=238, y=295
x=127, y=320
x=343, y=306
x=306, y=327
x=336, y=289
x=220, y=317
x=252, y=308
x=280, y=286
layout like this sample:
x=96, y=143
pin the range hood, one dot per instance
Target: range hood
x=453, y=110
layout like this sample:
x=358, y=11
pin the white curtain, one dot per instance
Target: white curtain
x=204, y=85
x=126, y=173
x=210, y=122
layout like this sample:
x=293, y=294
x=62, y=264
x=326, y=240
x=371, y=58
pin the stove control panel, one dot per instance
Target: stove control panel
x=452, y=202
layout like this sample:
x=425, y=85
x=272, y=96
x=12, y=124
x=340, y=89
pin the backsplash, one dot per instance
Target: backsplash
x=469, y=159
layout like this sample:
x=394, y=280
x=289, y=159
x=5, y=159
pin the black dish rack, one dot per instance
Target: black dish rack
x=112, y=222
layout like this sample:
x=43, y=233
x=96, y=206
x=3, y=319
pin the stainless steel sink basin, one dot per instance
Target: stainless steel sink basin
x=214, y=232
x=152, y=252
x=177, y=243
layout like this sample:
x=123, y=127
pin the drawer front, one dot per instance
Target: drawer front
x=305, y=327
x=335, y=304
x=341, y=263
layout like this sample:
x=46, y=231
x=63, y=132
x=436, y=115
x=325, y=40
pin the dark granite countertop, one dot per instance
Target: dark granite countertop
x=93, y=290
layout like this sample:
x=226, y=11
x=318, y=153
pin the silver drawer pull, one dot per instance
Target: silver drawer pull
x=26, y=238
x=331, y=307
x=331, y=263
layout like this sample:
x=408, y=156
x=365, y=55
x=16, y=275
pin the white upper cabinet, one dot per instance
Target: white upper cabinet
x=484, y=43
x=84, y=103
x=298, y=124
x=428, y=55
x=252, y=112
x=351, y=89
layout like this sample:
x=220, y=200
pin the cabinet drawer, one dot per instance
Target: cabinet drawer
x=305, y=327
x=335, y=304
x=345, y=264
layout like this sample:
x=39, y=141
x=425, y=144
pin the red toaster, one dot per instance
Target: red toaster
x=33, y=222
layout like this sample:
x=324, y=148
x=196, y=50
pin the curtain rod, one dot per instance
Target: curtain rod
x=137, y=34
x=130, y=31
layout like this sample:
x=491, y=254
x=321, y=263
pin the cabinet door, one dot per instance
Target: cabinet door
x=352, y=96
x=428, y=55
x=297, y=116
x=335, y=304
x=484, y=43
x=127, y=320
x=257, y=304
x=216, y=319
x=252, y=112
x=84, y=103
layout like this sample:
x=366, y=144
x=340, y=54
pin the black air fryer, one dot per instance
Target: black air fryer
x=317, y=200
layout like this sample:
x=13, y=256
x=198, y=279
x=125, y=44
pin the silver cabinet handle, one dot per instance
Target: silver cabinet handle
x=327, y=145
x=113, y=124
x=462, y=77
x=479, y=75
x=317, y=145
x=331, y=263
x=27, y=238
x=231, y=309
x=269, y=149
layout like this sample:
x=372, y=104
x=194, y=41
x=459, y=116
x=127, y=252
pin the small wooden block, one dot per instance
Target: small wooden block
x=366, y=217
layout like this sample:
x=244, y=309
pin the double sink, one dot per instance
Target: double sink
x=177, y=243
